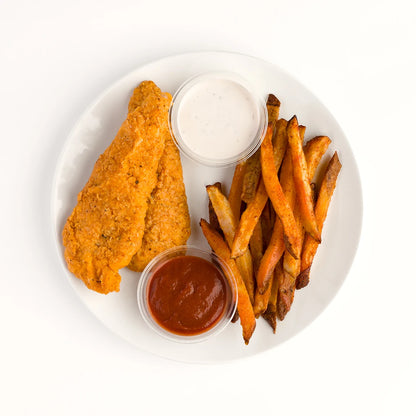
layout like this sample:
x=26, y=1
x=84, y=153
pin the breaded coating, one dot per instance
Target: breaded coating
x=167, y=220
x=106, y=227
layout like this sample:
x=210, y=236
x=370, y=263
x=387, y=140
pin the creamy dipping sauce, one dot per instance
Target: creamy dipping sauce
x=218, y=119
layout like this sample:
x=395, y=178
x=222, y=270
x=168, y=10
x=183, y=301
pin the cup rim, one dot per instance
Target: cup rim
x=186, y=150
x=145, y=278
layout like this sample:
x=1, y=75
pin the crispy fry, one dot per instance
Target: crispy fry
x=271, y=311
x=270, y=318
x=227, y=224
x=278, y=271
x=279, y=142
x=314, y=192
x=291, y=267
x=271, y=256
x=245, y=309
x=286, y=174
x=213, y=220
x=288, y=282
x=253, y=169
x=302, y=130
x=314, y=149
x=251, y=177
x=223, y=212
x=276, y=195
x=273, y=109
x=310, y=246
x=301, y=180
x=248, y=221
x=290, y=263
x=272, y=215
x=256, y=246
x=286, y=292
x=286, y=179
x=267, y=224
x=245, y=265
x=236, y=188
x=261, y=301
x=303, y=278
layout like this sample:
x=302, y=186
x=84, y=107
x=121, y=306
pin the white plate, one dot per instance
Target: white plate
x=98, y=126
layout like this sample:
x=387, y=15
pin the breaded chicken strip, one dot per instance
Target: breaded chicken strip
x=106, y=227
x=167, y=220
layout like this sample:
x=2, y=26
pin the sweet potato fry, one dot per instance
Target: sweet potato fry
x=301, y=180
x=314, y=149
x=326, y=191
x=213, y=220
x=286, y=179
x=270, y=318
x=270, y=258
x=275, y=192
x=245, y=309
x=273, y=109
x=256, y=246
x=288, y=281
x=279, y=142
x=245, y=265
x=286, y=292
x=271, y=312
x=227, y=224
x=261, y=301
x=314, y=192
x=248, y=221
x=235, y=190
x=267, y=224
x=254, y=169
x=278, y=271
x=251, y=177
x=291, y=263
x=223, y=212
x=286, y=174
x=303, y=278
x=302, y=130
x=272, y=215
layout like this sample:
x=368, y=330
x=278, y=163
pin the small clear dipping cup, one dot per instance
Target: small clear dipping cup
x=157, y=263
x=223, y=149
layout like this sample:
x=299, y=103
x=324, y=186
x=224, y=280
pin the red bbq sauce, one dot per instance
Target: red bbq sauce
x=187, y=295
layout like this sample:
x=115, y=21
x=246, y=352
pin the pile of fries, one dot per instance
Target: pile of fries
x=269, y=227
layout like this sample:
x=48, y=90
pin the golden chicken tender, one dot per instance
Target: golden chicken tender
x=167, y=222
x=106, y=227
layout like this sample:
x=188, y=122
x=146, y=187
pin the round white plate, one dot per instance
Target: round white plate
x=98, y=126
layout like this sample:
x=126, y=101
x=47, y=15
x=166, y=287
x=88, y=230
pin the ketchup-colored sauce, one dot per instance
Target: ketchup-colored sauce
x=187, y=295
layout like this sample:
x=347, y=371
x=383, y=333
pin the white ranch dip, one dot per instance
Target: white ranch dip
x=218, y=118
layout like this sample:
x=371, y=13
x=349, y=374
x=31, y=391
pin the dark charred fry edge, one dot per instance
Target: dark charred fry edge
x=273, y=109
x=251, y=178
x=289, y=247
x=270, y=318
x=273, y=100
x=303, y=279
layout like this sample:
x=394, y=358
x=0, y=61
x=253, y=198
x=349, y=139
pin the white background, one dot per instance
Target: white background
x=358, y=357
